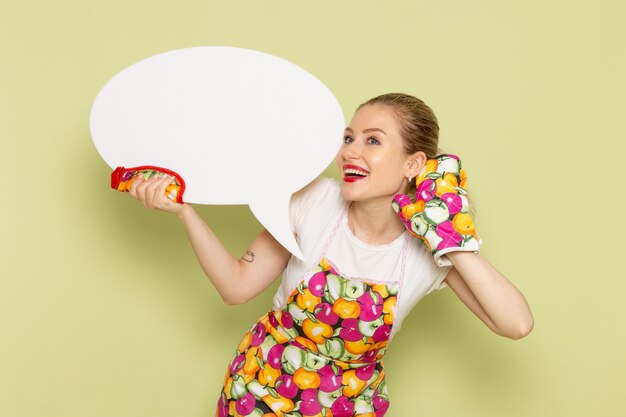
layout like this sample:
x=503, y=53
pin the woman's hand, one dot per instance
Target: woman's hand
x=152, y=194
x=440, y=215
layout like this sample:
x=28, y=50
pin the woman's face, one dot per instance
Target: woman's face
x=371, y=160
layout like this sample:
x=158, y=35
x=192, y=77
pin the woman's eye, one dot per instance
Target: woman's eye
x=347, y=139
x=373, y=140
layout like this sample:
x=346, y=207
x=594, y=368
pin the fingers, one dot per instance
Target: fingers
x=151, y=192
x=133, y=185
x=159, y=198
x=155, y=192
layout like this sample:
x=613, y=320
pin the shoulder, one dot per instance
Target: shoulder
x=321, y=196
x=317, y=187
x=322, y=190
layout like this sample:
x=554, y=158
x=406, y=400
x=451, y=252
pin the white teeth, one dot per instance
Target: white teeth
x=354, y=171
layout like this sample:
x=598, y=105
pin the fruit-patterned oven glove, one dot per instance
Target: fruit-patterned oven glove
x=122, y=178
x=440, y=214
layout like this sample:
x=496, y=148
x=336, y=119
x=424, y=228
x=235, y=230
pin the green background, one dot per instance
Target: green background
x=104, y=310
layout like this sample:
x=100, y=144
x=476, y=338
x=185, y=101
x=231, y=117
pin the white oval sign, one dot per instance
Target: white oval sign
x=240, y=126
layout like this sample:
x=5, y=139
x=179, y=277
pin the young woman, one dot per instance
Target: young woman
x=373, y=254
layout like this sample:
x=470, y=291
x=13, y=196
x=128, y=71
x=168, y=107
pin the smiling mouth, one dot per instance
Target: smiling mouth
x=352, y=173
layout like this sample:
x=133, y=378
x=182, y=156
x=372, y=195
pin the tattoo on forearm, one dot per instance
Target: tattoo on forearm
x=250, y=255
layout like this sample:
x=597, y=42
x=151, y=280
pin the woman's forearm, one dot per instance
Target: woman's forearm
x=236, y=281
x=500, y=299
x=218, y=264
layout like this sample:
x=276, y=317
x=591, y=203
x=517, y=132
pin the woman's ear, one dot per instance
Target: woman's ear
x=417, y=162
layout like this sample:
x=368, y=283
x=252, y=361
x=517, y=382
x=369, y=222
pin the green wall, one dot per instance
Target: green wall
x=104, y=310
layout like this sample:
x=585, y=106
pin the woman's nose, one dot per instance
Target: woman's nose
x=349, y=156
x=350, y=152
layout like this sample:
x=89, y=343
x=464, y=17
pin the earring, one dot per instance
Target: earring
x=409, y=178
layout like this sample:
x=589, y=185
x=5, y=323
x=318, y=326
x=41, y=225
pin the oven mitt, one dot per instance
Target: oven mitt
x=440, y=214
x=122, y=178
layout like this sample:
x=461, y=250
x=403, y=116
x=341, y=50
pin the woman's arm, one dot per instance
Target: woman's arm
x=489, y=295
x=236, y=280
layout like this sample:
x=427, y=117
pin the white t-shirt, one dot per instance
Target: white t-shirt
x=314, y=212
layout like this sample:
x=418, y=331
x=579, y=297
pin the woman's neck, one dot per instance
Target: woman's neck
x=374, y=222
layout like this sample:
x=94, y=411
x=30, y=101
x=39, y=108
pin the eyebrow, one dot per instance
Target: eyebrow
x=371, y=129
